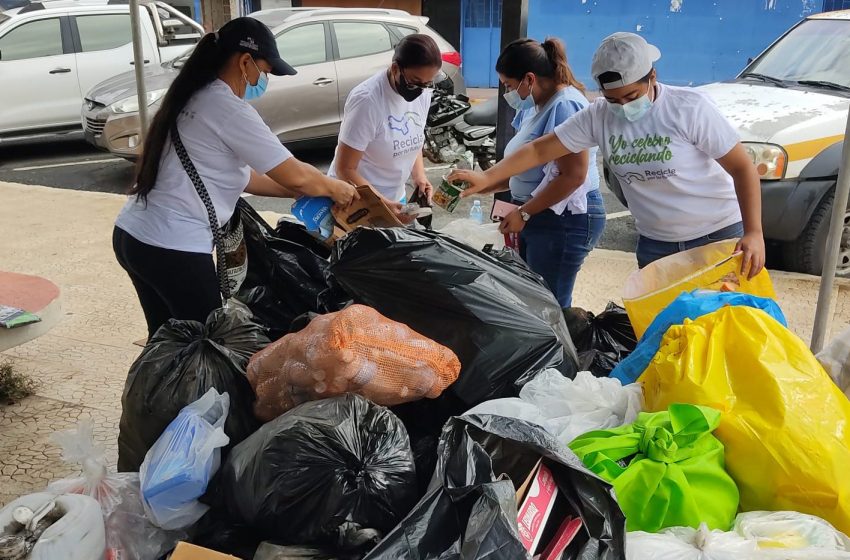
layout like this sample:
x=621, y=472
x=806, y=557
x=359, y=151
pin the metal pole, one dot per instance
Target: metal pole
x=139, y=63
x=514, y=26
x=833, y=243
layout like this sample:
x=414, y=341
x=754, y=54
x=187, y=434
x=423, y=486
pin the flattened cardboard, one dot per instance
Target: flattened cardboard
x=186, y=551
x=369, y=211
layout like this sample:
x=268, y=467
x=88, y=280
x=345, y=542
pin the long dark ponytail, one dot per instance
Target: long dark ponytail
x=199, y=70
x=547, y=59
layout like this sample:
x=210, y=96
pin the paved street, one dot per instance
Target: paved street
x=73, y=164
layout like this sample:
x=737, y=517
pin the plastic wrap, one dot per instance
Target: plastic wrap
x=568, y=408
x=129, y=533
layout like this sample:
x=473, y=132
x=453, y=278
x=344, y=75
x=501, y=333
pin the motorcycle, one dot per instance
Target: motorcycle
x=455, y=126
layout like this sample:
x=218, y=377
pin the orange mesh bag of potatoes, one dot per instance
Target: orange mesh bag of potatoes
x=356, y=350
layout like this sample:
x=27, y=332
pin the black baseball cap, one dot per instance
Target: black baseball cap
x=246, y=34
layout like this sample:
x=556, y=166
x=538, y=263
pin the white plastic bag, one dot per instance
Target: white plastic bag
x=790, y=530
x=74, y=528
x=757, y=535
x=835, y=359
x=685, y=543
x=511, y=408
x=568, y=408
x=573, y=407
x=179, y=466
x=129, y=534
x=475, y=235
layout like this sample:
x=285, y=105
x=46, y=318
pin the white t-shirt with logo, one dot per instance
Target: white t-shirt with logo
x=225, y=138
x=387, y=129
x=665, y=162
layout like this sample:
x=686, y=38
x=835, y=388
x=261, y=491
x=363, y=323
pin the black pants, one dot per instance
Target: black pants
x=170, y=284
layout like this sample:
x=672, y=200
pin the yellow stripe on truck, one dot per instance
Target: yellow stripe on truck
x=810, y=148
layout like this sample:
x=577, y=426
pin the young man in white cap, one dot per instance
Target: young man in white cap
x=685, y=174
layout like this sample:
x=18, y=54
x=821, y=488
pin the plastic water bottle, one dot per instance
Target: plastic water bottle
x=315, y=214
x=476, y=214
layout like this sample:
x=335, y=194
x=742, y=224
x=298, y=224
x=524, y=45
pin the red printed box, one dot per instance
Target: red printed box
x=536, y=507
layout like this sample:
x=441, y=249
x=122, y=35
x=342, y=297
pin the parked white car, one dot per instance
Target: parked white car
x=52, y=53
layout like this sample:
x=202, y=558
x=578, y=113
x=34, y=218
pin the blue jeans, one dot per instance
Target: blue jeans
x=555, y=246
x=650, y=250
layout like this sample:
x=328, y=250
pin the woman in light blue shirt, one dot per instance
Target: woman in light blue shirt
x=560, y=215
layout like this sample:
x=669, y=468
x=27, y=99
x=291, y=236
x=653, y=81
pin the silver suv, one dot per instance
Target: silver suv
x=333, y=49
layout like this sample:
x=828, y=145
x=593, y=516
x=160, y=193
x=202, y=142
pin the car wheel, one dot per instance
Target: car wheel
x=808, y=253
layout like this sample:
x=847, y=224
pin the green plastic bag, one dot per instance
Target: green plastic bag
x=667, y=469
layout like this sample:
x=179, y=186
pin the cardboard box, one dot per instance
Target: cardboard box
x=186, y=551
x=541, y=493
x=563, y=537
x=369, y=211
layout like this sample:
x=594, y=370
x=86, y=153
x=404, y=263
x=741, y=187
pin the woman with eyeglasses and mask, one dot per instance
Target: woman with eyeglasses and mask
x=686, y=176
x=205, y=147
x=383, y=125
x=560, y=215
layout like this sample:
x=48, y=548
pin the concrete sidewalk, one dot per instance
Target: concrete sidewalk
x=65, y=236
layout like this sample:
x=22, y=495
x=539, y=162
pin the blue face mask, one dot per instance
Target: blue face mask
x=633, y=110
x=518, y=103
x=256, y=91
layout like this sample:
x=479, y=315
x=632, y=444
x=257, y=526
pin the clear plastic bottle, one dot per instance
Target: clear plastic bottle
x=476, y=214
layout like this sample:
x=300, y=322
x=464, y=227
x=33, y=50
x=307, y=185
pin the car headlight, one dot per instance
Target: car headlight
x=131, y=104
x=770, y=160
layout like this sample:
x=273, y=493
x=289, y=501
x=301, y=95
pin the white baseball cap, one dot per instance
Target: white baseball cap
x=625, y=54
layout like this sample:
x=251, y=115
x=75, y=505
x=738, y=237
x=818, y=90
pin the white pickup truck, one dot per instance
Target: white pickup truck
x=53, y=52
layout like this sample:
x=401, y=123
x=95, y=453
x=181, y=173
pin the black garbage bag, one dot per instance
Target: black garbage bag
x=288, y=273
x=216, y=532
x=599, y=363
x=182, y=361
x=470, y=509
x=307, y=476
x=602, y=341
x=498, y=317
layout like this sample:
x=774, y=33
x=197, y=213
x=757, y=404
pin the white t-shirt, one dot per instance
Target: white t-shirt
x=387, y=129
x=665, y=162
x=225, y=138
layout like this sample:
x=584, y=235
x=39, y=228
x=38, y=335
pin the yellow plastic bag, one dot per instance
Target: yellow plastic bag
x=785, y=424
x=712, y=267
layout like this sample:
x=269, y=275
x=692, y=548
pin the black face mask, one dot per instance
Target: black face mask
x=407, y=91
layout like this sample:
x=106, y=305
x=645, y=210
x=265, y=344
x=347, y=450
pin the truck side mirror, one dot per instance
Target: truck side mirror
x=749, y=61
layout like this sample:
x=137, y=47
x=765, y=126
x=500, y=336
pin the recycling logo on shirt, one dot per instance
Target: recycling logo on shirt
x=405, y=130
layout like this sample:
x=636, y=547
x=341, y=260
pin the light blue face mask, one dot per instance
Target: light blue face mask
x=633, y=110
x=518, y=103
x=256, y=91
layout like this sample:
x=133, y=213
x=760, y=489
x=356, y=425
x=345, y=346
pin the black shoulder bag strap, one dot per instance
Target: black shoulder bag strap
x=218, y=236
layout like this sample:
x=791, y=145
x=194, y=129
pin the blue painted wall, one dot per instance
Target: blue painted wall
x=701, y=41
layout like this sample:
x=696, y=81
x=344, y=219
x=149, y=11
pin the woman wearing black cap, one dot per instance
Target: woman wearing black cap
x=683, y=170
x=205, y=147
x=382, y=132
